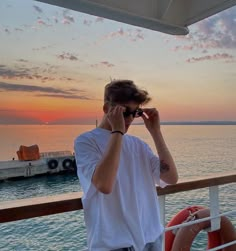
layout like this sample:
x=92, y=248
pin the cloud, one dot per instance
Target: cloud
x=102, y=64
x=67, y=55
x=44, y=91
x=64, y=18
x=23, y=72
x=38, y=9
x=67, y=79
x=64, y=96
x=43, y=47
x=9, y=73
x=132, y=35
x=22, y=60
x=40, y=21
x=87, y=22
x=7, y=31
x=19, y=29
x=55, y=19
x=67, y=19
x=216, y=32
x=216, y=56
x=106, y=63
x=95, y=20
x=184, y=48
x=29, y=88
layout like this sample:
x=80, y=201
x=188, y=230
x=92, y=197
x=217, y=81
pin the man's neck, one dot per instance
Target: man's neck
x=104, y=124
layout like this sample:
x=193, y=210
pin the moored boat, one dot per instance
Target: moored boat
x=43, y=163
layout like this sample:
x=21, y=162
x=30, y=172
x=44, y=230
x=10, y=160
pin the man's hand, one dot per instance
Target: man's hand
x=151, y=119
x=115, y=118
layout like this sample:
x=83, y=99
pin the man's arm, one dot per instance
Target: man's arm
x=106, y=170
x=168, y=171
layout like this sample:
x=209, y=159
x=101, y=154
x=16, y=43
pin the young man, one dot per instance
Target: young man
x=119, y=172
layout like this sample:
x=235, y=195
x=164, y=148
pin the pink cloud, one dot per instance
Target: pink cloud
x=55, y=19
x=40, y=21
x=106, y=63
x=216, y=56
x=101, y=64
x=65, y=21
x=216, y=32
x=87, y=22
x=184, y=48
x=68, y=56
x=70, y=18
x=130, y=34
x=43, y=23
x=23, y=72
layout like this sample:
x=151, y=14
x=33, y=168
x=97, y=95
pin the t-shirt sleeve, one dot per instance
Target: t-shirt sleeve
x=155, y=166
x=87, y=156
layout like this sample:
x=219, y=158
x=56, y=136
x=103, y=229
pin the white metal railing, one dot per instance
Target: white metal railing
x=214, y=217
x=223, y=246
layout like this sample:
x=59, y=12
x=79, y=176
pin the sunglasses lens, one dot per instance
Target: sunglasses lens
x=139, y=113
x=135, y=114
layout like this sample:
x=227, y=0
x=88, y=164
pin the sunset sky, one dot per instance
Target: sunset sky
x=55, y=62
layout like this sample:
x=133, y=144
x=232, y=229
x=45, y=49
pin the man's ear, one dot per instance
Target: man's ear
x=105, y=108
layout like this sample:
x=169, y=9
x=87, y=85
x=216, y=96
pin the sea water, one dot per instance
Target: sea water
x=198, y=151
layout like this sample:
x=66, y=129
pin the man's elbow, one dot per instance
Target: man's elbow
x=103, y=186
x=174, y=179
x=105, y=189
x=170, y=179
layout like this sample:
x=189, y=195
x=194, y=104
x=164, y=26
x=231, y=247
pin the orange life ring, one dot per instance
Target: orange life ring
x=184, y=237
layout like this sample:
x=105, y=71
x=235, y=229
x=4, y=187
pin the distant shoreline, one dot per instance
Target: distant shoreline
x=162, y=123
x=199, y=123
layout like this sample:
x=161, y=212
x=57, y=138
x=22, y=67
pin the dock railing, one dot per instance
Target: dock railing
x=42, y=206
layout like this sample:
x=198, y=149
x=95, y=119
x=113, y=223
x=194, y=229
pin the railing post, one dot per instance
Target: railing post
x=162, y=202
x=214, y=207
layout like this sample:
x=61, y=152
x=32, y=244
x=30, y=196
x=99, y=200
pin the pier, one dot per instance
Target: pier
x=48, y=163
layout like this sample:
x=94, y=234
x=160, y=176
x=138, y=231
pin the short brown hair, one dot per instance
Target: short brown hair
x=123, y=91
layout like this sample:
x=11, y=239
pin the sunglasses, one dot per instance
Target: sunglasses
x=136, y=113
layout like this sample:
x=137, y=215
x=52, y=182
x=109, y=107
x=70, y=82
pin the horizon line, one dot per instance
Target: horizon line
x=181, y=122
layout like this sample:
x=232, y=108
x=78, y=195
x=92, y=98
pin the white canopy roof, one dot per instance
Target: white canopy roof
x=168, y=16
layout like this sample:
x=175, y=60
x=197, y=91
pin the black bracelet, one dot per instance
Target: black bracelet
x=118, y=132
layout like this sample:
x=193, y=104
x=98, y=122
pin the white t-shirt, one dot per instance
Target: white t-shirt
x=129, y=215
